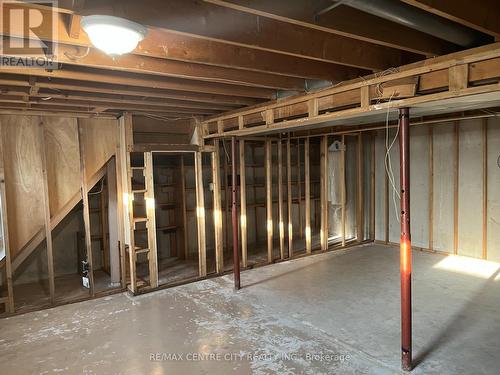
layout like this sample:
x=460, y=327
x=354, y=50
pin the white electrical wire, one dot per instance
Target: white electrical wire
x=387, y=160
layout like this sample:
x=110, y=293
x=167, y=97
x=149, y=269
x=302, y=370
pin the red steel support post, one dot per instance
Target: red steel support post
x=405, y=242
x=234, y=187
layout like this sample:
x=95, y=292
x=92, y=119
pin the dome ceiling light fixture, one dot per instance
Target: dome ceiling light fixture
x=113, y=35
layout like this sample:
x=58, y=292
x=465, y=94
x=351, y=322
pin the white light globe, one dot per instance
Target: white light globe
x=113, y=35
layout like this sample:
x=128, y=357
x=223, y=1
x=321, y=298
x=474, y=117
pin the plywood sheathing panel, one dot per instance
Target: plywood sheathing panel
x=63, y=160
x=23, y=176
x=100, y=138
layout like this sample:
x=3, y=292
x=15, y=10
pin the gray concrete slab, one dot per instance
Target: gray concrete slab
x=342, y=306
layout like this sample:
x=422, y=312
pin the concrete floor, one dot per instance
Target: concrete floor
x=344, y=305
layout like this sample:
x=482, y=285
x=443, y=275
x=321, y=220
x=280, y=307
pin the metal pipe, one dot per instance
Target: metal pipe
x=405, y=242
x=234, y=213
x=421, y=20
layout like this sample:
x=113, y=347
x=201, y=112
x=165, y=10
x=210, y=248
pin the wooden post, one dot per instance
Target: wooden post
x=299, y=190
x=307, y=189
x=372, y=189
x=289, y=196
x=184, y=209
x=226, y=198
x=149, y=197
x=269, y=202
x=243, y=205
x=234, y=215
x=324, y=192
x=431, y=187
x=86, y=212
x=104, y=226
x=455, y=188
x=280, y=201
x=343, y=189
x=114, y=223
x=200, y=215
x=360, y=201
x=219, y=245
x=485, y=189
x=46, y=209
x=5, y=229
x=126, y=140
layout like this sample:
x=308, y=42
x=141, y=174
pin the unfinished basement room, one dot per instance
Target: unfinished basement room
x=250, y=187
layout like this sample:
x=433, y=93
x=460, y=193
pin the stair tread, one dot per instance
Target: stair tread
x=140, y=219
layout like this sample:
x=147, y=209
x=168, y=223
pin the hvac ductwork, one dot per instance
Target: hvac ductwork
x=418, y=19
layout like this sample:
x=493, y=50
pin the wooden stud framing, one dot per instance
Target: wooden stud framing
x=5, y=229
x=343, y=189
x=458, y=77
x=289, y=195
x=183, y=204
x=485, y=189
x=307, y=193
x=281, y=224
x=46, y=209
x=149, y=197
x=122, y=168
x=269, y=201
x=86, y=211
x=126, y=139
x=372, y=189
x=431, y=187
x=455, y=187
x=299, y=191
x=200, y=215
x=243, y=205
x=360, y=199
x=386, y=206
x=324, y=192
x=219, y=245
x=104, y=225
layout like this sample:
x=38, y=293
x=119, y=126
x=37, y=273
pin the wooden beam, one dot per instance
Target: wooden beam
x=481, y=16
x=5, y=228
x=56, y=85
x=307, y=188
x=243, y=205
x=86, y=211
x=289, y=195
x=46, y=210
x=342, y=102
x=149, y=197
x=148, y=80
x=170, y=45
x=183, y=204
x=200, y=215
x=260, y=32
x=347, y=22
x=217, y=212
x=269, y=201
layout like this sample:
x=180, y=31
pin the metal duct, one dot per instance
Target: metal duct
x=418, y=19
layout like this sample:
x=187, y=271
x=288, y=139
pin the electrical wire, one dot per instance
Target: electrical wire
x=100, y=189
x=387, y=160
